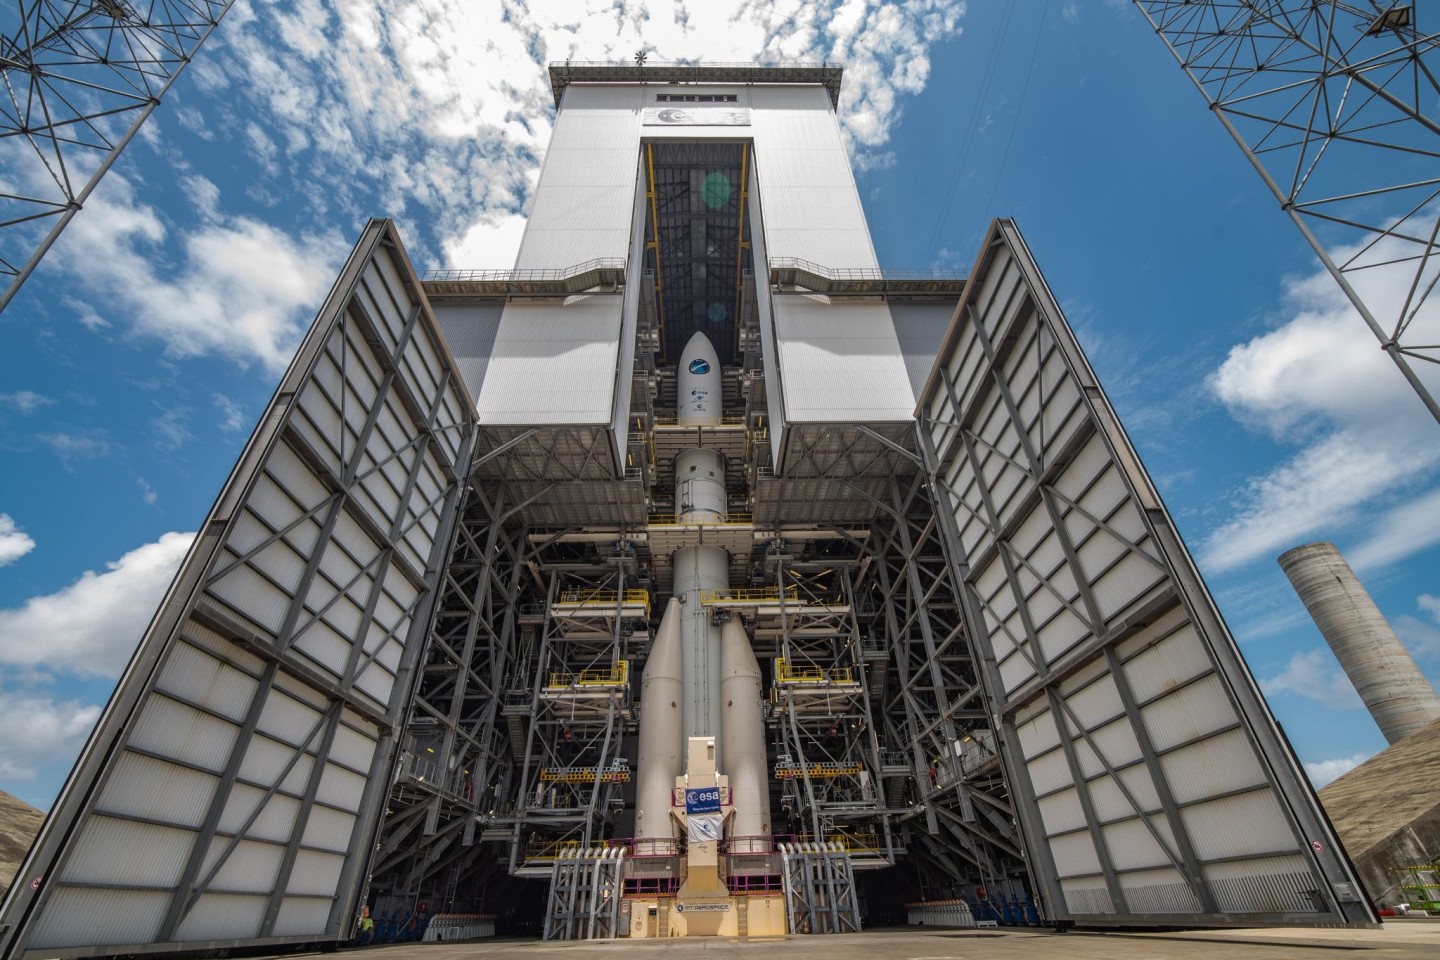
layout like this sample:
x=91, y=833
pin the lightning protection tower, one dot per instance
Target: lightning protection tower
x=1337, y=107
x=696, y=576
x=80, y=77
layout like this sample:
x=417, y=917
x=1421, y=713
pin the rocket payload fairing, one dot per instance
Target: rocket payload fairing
x=700, y=674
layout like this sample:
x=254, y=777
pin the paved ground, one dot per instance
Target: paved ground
x=1397, y=940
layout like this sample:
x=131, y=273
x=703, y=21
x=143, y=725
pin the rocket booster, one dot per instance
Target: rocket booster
x=660, y=742
x=743, y=722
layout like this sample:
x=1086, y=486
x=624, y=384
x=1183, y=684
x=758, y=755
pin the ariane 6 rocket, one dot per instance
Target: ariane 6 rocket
x=702, y=679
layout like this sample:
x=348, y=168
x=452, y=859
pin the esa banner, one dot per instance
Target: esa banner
x=702, y=800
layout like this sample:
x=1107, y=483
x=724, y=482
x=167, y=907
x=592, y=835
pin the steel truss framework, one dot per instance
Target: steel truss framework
x=232, y=789
x=80, y=76
x=1337, y=106
x=1081, y=599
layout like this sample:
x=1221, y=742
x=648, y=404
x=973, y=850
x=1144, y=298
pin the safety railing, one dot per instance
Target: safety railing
x=700, y=422
x=747, y=885
x=615, y=675
x=860, y=273
x=704, y=519
x=862, y=843
x=584, y=775
x=820, y=770
x=603, y=598
x=645, y=887
x=811, y=673
x=491, y=276
x=748, y=595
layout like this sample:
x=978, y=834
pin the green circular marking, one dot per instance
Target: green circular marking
x=716, y=189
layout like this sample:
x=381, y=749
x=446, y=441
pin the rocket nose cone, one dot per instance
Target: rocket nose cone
x=699, y=350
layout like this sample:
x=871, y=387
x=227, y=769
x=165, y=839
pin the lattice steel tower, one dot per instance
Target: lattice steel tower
x=80, y=78
x=1337, y=106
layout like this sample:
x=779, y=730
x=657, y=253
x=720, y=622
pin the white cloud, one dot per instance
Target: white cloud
x=147, y=492
x=14, y=542
x=1314, y=674
x=39, y=730
x=1321, y=380
x=90, y=628
x=231, y=416
x=1322, y=772
x=26, y=401
x=447, y=107
x=72, y=449
x=170, y=430
x=244, y=289
x=1409, y=528
x=486, y=245
x=1421, y=636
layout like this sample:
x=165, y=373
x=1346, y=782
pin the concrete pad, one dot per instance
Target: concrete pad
x=1404, y=940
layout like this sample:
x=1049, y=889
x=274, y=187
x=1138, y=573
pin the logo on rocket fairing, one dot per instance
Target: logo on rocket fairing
x=699, y=366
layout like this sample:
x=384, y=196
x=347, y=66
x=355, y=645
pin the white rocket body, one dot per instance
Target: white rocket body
x=743, y=722
x=715, y=682
x=661, y=744
x=700, y=570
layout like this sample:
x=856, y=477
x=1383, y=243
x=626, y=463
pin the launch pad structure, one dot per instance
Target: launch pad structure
x=695, y=576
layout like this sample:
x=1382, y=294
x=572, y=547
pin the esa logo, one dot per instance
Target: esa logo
x=699, y=366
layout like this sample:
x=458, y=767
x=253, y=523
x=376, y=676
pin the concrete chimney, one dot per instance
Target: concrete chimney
x=1398, y=695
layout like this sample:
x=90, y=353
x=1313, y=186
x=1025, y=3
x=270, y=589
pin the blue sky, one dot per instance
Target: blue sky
x=138, y=358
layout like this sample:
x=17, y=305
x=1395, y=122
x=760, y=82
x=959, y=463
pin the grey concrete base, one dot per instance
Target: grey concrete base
x=1396, y=940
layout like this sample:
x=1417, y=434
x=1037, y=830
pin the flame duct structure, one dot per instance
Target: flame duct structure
x=659, y=763
x=744, y=728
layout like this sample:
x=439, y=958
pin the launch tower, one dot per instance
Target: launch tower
x=694, y=576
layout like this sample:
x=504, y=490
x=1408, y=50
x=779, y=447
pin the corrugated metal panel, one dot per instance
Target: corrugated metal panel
x=329, y=829
x=811, y=207
x=553, y=363
x=299, y=914
x=470, y=329
x=125, y=852
x=919, y=328
x=209, y=682
x=273, y=821
x=223, y=916
x=273, y=593
x=840, y=361
x=174, y=730
x=1159, y=891
x=133, y=783
x=315, y=874
x=1172, y=766
x=248, y=866
x=84, y=916
x=588, y=181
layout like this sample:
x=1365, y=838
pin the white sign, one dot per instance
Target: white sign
x=704, y=827
x=701, y=907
